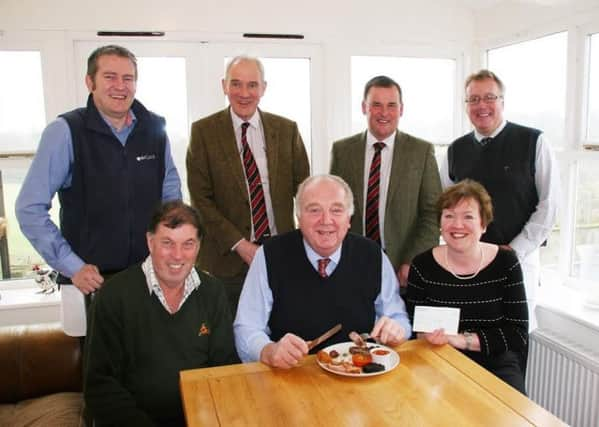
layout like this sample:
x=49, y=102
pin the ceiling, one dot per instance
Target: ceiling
x=485, y=4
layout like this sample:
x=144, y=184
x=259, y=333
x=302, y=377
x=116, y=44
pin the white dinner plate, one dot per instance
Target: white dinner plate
x=343, y=349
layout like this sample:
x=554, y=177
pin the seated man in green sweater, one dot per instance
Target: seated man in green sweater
x=150, y=322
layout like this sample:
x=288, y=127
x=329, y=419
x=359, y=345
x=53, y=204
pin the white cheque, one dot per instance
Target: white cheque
x=427, y=319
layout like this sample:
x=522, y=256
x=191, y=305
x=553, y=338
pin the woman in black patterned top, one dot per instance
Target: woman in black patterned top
x=483, y=280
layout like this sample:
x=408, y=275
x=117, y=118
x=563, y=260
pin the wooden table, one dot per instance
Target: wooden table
x=432, y=386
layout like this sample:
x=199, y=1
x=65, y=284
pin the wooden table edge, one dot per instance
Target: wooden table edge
x=531, y=411
x=504, y=393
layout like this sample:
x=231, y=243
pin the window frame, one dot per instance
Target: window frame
x=569, y=156
x=453, y=51
x=457, y=105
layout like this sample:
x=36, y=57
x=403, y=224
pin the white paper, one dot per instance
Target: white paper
x=428, y=319
x=72, y=311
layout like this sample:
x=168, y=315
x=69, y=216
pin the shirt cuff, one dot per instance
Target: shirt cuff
x=235, y=245
x=522, y=247
x=70, y=265
x=255, y=346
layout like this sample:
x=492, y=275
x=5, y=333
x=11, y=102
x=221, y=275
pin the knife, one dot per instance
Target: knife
x=328, y=334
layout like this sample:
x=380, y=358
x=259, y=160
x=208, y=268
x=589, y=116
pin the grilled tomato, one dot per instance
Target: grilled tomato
x=361, y=359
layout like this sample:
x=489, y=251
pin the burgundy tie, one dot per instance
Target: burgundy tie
x=322, y=266
x=373, y=230
x=258, y=204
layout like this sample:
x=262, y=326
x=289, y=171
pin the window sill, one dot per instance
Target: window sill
x=564, y=311
x=20, y=303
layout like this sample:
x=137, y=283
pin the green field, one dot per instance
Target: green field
x=22, y=254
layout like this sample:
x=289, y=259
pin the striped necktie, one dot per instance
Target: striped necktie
x=322, y=266
x=257, y=202
x=373, y=230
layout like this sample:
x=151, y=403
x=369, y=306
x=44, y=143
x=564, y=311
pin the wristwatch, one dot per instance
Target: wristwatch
x=468, y=338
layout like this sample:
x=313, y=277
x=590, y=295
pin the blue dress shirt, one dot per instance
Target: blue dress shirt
x=255, y=303
x=50, y=171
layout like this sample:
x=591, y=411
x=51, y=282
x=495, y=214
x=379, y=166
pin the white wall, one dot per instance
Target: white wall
x=384, y=21
x=509, y=21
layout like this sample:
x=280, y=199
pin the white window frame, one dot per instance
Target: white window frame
x=453, y=52
x=204, y=61
x=56, y=90
x=575, y=125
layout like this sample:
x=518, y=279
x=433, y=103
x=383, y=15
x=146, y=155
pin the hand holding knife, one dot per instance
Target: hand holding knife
x=290, y=349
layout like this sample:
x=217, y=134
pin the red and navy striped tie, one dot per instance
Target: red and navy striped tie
x=257, y=202
x=373, y=230
x=322, y=266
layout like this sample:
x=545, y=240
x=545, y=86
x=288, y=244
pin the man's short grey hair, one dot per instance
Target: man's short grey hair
x=316, y=179
x=244, y=58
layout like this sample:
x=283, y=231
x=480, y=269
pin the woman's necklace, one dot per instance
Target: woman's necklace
x=463, y=277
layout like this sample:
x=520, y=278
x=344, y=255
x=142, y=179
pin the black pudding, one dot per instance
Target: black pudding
x=372, y=367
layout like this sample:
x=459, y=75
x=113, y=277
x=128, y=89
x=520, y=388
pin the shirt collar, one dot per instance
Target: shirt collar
x=478, y=136
x=371, y=139
x=131, y=118
x=192, y=281
x=254, y=121
x=313, y=256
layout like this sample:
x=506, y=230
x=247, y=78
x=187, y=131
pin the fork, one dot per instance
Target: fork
x=365, y=336
x=359, y=339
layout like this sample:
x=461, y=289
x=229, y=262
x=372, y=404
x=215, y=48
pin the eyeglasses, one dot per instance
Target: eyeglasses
x=487, y=99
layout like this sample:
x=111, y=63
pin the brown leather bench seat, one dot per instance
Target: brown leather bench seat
x=40, y=377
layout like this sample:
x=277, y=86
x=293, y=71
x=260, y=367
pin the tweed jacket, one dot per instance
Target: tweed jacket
x=411, y=220
x=218, y=189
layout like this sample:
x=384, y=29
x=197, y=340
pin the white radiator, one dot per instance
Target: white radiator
x=563, y=377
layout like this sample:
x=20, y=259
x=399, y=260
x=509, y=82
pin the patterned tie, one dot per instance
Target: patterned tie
x=322, y=266
x=485, y=141
x=373, y=230
x=259, y=218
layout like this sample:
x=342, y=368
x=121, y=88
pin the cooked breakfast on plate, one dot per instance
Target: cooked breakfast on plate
x=357, y=360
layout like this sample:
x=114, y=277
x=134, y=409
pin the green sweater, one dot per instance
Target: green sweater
x=135, y=349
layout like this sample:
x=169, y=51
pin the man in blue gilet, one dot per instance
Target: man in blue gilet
x=110, y=164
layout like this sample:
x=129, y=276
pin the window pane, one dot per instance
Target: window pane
x=534, y=74
x=22, y=119
x=22, y=115
x=428, y=93
x=593, y=116
x=550, y=253
x=168, y=100
x=288, y=92
x=22, y=256
x=586, y=257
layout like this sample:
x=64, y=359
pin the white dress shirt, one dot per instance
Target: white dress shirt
x=386, y=161
x=257, y=143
